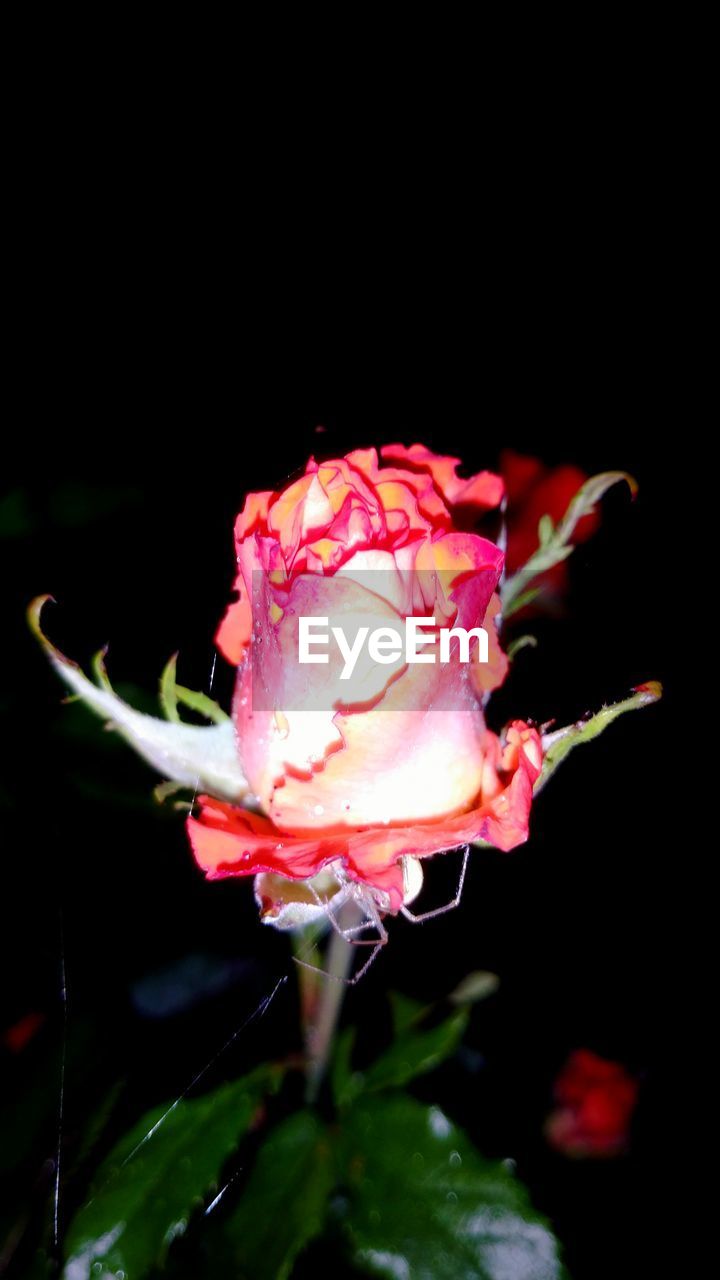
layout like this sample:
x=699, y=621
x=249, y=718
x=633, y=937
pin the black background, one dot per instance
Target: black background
x=145, y=407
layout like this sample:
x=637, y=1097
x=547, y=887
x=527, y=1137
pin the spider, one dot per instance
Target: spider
x=374, y=903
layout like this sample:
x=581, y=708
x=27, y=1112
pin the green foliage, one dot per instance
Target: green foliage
x=397, y=1185
x=405, y=1012
x=559, y=744
x=168, y=694
x=172, y=693
x=284, y=1204
x=477, y=986
x=522, y=642
x=145, y=1192
x=423, y=1204
x=28, y=1119
x=555, y=543
x=346, y=1083
x=414, y=1051
x=197, y=756
x=99, y=670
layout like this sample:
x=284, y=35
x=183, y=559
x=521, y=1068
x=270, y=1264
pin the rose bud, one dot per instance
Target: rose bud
x=323, y=786
x=400, y=762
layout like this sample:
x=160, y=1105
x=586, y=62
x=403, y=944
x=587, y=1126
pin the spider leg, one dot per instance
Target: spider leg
x=345, y=894
x=377, y=943
x=373, y=920
x=315, y=968
x=348, y=935
x=449, y=906
x=340, y=899
x=364, y=968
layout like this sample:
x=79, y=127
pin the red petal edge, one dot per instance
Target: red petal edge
x=230, y=841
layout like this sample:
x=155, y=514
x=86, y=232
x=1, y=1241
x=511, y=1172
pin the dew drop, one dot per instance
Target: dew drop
x=318, y=811
x=455, y=1159
x=281, y=724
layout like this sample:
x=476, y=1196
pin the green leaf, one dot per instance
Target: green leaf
x=415, y=1050
x=99, y=669
x=475, y=987
x=414, y=1053
x=284, y=1204
x=149, y=1185
x=558, y=745
x=346, y=1083
x=28, y=1115
x=516, y=602
x=198, y=756
x=96, y=1124
x=423, y=1204
x=201, y=703
x=555, y=545
x=587, y=498
x=172, y=693
x=522, y=642
x=165, y=790
x=516, y=591
x=405, y=1011
x=168, y=695
x=546, y=529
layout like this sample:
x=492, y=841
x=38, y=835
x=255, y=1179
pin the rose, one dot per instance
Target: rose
x=410, y=769
x=355, y=791
x=596, y=1099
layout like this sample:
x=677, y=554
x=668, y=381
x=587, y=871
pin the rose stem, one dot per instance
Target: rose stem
x=321, y=1029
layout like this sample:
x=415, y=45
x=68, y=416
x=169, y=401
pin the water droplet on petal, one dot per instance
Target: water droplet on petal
x=281, y=724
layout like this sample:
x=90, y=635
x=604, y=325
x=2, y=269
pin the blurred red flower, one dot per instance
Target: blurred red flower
x=19, y=1035
x=596, y=1099
x=535, y=490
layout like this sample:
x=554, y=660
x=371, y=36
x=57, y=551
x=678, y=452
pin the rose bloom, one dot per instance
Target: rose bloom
x=596, y=1099
x=410, y=768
